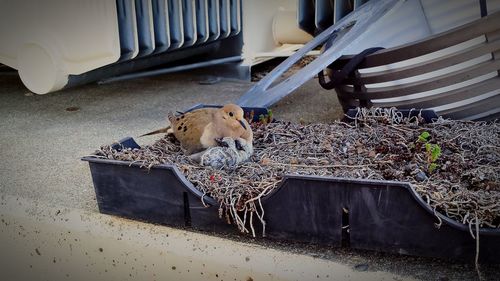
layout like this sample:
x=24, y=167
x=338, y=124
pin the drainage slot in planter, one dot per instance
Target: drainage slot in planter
x=346, y=239
x=187, y=213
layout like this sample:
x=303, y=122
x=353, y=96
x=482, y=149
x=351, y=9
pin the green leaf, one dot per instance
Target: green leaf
x=432, y=167
x=428, y=147
x=435, y=152
x=424, y=136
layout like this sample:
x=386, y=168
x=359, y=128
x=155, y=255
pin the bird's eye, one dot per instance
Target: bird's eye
x=231, y=114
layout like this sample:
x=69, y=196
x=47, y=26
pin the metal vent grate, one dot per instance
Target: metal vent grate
x=315, y=16
x=149, y=27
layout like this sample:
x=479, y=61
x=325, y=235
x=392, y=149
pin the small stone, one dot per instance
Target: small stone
x=210, y=80
x=72, y=108
x=408, y=168
x=294, y=160
x=361, y=267
x=372, y=154
x=421, y=176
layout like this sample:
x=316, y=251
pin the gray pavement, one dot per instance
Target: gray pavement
x=42, y=142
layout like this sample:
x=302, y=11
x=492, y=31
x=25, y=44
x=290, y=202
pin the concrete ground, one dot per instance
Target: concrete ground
x=43, y=137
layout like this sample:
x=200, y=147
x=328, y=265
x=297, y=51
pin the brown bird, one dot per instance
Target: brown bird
x=203, y=128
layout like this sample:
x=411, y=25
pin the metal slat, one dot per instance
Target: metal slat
x=189, y=20
x=176, y=24
x=341, y=9
x=452, y=96
x=224, y=12
x=493, y=6
x=213, y=20
x=127, y=29
x=235, y=16
x=145, y=33
x=486, y=116
x=305, y=15
x=326, y=13
x=431, y=44
x=490, y=105
x=423, y=85
x=202, y=21
x=358, y=3
x=323, y=12
x=161, y=25
x=426, y=66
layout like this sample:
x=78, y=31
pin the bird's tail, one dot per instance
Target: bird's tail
x=167, y=130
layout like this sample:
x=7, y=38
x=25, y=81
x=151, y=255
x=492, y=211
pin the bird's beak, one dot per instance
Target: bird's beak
x=242, y=124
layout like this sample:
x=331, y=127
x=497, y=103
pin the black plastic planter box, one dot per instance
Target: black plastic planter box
x=385, y=216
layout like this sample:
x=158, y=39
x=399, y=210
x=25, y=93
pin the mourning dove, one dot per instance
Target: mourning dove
x=203, y=128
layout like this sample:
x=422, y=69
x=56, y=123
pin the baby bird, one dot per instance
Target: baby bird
x=203, y=128
x=227, y=156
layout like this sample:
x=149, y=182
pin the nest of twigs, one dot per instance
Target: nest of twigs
x=453, y=165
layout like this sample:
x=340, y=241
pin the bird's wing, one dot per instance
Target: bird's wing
x=189, y=128
x=248, y=134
